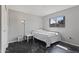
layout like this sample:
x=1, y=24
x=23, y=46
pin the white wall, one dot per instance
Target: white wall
x=71, y=24
x=4, y=29
x=0, y=28
x=16, y=28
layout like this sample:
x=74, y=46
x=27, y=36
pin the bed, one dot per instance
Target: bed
x=47, y=36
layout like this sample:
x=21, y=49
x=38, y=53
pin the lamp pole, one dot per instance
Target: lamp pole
x=24, y=30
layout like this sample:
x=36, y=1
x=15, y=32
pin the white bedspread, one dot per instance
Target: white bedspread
x=47, y=36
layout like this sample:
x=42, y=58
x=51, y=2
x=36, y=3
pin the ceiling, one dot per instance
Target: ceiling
x=39, y=10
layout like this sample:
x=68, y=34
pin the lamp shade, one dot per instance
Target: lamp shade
x=22, y=21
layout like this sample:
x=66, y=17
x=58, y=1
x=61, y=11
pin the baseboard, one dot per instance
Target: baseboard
x=71, y=43
x=13, y=41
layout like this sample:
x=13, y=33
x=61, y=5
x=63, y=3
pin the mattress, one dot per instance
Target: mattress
x=47, y=36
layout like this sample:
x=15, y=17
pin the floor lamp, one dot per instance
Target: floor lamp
x=24, y=34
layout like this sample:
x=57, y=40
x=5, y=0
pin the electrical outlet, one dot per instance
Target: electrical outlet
x=70, y=37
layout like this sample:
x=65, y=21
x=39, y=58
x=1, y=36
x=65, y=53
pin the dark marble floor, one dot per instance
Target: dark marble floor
x=33, y=46
x=37, y=46
x=62, y=47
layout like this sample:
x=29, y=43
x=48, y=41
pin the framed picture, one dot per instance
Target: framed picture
x=58, y=21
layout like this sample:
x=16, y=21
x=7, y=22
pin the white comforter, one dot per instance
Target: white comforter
x=47, y=36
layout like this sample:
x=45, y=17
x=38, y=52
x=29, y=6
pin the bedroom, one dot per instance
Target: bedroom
x=23, y=20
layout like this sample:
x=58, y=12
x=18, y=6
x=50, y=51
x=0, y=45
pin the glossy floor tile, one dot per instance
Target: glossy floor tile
x=37, y=46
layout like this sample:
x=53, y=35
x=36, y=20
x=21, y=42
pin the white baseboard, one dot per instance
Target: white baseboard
x=71, y=43
x=13, y=41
